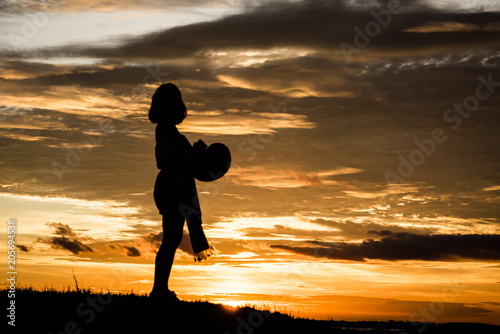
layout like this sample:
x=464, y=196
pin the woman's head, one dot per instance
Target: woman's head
x=167, y=105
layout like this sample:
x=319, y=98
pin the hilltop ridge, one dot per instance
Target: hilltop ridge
x=79, y=312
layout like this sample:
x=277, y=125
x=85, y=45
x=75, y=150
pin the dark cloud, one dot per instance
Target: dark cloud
x=381, y=233
x=408, y=246
x=67, y=239
x=309, y=24
x=31, y=69
x=132, y=251
x=23, y=248
x=357, y=230
x=154, y=239
x=72, y=245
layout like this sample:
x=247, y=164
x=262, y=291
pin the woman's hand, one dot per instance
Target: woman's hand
x=199, y=147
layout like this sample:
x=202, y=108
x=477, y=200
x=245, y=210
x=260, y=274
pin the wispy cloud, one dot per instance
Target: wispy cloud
x=61, y=229
x=282, y=178
x=492, y=188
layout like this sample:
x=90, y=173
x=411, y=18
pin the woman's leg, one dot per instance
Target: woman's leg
x=173, y=224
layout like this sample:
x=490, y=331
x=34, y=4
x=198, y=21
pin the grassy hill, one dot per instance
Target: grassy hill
x=79, y=312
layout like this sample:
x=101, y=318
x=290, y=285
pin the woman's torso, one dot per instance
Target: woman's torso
x=172, y=148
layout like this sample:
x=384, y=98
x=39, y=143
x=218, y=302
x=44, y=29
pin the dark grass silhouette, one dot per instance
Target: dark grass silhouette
x=82, y=311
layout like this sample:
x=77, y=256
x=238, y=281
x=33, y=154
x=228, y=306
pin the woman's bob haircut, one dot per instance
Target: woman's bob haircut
x=167, y=105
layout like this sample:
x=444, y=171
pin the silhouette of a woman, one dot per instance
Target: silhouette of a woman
x=175, y=189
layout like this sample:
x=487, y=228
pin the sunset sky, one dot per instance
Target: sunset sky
x=365, y=182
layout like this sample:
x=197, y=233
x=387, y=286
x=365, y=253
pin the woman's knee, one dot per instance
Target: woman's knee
x=173, y=237
x=172, y=232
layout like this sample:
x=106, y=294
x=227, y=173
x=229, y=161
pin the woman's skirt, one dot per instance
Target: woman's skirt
x=166, y=193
